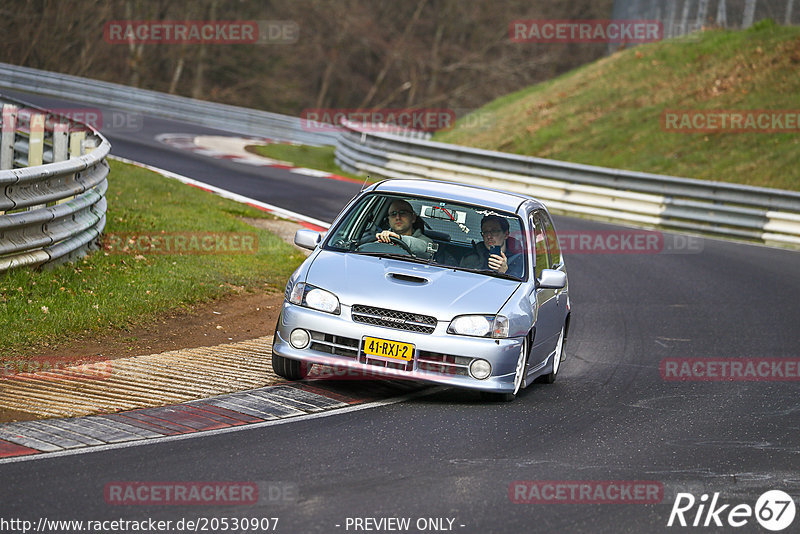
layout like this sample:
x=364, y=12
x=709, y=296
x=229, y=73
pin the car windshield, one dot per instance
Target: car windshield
x=437, y=232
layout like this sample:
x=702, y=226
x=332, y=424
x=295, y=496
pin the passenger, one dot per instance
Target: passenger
x=497, y=251
x=405, y=225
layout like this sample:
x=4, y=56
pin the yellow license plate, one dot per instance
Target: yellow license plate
x=388, y=349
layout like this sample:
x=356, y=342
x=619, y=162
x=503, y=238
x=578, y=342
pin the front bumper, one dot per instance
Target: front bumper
x=439, y=357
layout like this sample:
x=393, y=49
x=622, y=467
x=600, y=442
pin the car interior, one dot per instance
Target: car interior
x=454, y=228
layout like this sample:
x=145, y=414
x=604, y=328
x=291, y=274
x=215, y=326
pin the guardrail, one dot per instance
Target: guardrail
x=753, y=213
x=52, y=186
x=234, y=119
x=131, y=99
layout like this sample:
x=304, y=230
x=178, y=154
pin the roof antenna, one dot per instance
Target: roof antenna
x=365, y=183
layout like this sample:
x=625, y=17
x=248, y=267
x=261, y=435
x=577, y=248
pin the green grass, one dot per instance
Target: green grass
x=320, y=158
x=109, y=290
x=608, y=113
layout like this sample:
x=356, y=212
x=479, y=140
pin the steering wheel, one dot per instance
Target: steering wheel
x=400, y=243
x=370, y=243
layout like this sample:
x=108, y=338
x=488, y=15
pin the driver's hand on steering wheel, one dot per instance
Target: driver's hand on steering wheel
x=384, y=236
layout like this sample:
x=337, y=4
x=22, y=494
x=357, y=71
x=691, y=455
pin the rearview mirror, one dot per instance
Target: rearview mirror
x=307, y=239
x=551, y=279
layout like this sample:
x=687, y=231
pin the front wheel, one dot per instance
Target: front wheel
x=558, y=355
x=288, y=368
x=519, y=375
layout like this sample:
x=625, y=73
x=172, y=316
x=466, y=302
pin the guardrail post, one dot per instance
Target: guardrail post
x=76, y=144
x=36, y=145
x=60, y=148
x=60, y=137
x=9, y=131
x=36, y=140
x=87, y=145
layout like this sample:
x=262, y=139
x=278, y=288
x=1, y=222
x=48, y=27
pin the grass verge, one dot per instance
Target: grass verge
x=320, y=158
x=115, y=290
x=609, y=113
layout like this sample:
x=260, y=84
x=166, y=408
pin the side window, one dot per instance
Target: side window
x=540, y=244
x=552, y=242
x=356, y=221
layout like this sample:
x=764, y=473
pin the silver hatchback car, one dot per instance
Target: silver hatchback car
x=442, y=282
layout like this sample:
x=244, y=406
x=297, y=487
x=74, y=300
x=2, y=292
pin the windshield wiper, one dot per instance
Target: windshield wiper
x=490, y=272
x=396, y=256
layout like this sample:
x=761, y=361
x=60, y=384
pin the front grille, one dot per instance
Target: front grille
x=371, y=360
x=445, y=364
x=413, y=322
x=338, y=345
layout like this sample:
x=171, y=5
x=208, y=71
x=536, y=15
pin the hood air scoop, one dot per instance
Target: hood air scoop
x=407, y=278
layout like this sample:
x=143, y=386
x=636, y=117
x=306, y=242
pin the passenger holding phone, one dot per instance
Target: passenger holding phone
x=497, y=251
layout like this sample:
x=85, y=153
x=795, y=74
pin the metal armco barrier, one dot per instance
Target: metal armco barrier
x=133, y=100
x=244, y=121
x=765, y=215
x=52, y=187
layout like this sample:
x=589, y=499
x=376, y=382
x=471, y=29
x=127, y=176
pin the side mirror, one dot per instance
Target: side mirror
x=551, y=279
x=307, y=239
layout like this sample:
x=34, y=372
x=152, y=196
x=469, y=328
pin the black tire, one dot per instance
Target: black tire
x=491, y=396
x=288, y=368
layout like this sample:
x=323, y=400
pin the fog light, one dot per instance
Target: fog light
x=480, y=369
x=299, y=338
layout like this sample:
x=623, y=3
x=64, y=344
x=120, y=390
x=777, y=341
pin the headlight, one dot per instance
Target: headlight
x=480, y=326
x=315, y=298
x=322, y=300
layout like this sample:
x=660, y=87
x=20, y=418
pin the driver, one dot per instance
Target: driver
x=404, y=225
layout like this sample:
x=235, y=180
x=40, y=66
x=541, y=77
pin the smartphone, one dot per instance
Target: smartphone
x=495, y=250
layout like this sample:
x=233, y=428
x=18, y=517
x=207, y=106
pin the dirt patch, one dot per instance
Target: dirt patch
x=231, y=318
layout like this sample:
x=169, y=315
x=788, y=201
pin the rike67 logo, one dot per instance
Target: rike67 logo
x=774, y=510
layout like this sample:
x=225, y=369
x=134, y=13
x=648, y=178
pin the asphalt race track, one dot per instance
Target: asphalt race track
x=450, y=456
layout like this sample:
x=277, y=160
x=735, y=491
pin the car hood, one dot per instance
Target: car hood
x=404, y=286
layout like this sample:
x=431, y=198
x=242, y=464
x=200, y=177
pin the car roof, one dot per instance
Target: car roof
x=468, y=194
